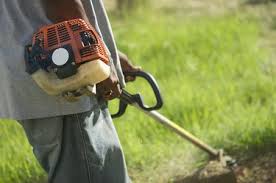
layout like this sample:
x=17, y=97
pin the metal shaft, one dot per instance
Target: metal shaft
x=180, y=131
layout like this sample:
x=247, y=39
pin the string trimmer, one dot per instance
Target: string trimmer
x=69, y=58
x=136, y=101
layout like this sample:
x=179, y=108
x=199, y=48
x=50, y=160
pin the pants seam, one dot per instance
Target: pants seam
x=61, y=136
x=85, y=149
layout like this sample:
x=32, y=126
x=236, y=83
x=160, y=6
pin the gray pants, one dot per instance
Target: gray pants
x=78, y=148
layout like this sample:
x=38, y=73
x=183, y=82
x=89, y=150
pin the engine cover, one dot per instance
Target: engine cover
x=61, y=49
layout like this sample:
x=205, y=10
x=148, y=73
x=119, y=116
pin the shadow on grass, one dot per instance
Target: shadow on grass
x=258, y=142
x=256, y=2
x=273, y=23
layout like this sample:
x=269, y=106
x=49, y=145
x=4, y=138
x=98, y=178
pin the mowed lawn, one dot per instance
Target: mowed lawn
x=216, y=82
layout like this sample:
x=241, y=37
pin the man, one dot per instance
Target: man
x=73, y=142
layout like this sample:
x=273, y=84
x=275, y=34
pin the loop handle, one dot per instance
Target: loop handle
x=126, y=98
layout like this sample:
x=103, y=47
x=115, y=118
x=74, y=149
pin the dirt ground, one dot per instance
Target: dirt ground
x=261, y=169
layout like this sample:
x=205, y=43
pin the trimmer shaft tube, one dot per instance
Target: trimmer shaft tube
x=180, y=131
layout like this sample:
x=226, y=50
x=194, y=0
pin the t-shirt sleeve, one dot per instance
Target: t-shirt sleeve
x=97, y=15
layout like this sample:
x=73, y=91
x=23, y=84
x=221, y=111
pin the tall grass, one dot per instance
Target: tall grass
x=210, y=71
x=211, y=74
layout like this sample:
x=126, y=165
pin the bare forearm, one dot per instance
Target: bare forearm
x=61, y=10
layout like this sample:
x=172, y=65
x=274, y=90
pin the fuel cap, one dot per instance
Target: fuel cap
x=60, y=56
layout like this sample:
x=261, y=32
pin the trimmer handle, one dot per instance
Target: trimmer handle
x=126, y=98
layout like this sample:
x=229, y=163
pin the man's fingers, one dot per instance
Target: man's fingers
x=130, y=78
x=137, y=68
x=116, y=91
x=109, y=95
x=112, y=94
x=109, y=89
x=133, y=69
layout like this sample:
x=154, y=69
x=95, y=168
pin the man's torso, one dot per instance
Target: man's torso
x=20, y=97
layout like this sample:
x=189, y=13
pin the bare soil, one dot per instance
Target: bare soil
x=261, y=169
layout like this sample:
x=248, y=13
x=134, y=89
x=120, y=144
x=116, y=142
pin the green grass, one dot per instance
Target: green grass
x=211, y=73
x=17, y=162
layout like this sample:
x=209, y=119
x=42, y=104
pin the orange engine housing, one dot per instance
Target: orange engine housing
x=75, y=33
x=67, y=57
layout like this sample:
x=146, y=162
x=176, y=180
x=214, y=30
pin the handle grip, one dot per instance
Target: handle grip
x=126, y=98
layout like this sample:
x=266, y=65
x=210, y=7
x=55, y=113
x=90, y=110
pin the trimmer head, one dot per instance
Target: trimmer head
x=218, y=170
x=226, y=161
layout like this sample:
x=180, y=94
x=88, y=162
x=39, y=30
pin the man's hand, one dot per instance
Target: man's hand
x=127, y=66
x=109, y=88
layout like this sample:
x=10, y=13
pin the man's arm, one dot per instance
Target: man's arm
x=127, y=66
x=61, y=10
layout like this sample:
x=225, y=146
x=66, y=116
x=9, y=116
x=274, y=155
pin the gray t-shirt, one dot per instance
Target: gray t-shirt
x=20, y=97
